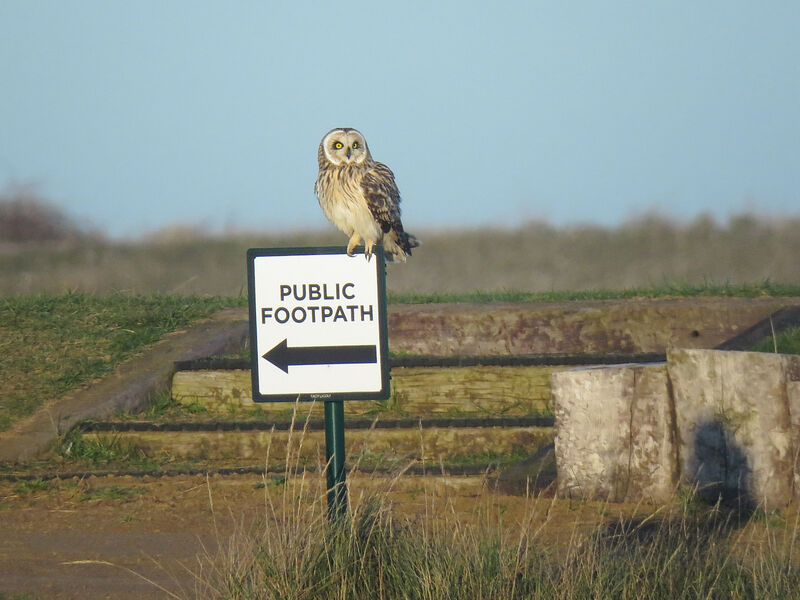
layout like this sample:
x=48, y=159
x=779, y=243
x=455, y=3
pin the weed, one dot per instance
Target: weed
x=161, y=404
x=392, y=406
x=112, y=493
x=271, y=482
x=195, y=408
x=772, y=519
x=375, y=553
x=786, y=342
x=102, y=450
x=32, y=486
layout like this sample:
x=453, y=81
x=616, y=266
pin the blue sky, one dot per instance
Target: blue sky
x=137, y=115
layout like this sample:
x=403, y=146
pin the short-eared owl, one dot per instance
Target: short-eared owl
x=359, y=195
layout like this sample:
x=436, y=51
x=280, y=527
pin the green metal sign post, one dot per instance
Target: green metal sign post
x=318, y=332
x=334, y=456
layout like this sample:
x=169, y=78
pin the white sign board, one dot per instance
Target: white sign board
x=317, y=324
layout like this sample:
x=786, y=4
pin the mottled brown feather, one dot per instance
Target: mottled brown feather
x=383, y=197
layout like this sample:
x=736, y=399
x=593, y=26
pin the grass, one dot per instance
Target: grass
x=516, y=455
x=54, y=344
x=786, y=342
x=101, y=450
x=32, y=486
x=765, y=289
x=373, y=556
x=497, y=548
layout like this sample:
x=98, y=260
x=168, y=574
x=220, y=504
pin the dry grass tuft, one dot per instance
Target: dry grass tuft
x=443, y=549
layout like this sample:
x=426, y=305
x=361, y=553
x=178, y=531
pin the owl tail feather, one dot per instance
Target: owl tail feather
x=400, y=246
x=410, y=241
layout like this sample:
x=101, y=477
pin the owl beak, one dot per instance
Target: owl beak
x=347, y=154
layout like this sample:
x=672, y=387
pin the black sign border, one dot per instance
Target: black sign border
x=383, y=343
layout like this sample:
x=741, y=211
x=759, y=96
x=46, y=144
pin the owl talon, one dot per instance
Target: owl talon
x=355, y=240
x=368, y=246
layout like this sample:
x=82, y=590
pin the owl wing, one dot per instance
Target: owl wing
x=383, y=197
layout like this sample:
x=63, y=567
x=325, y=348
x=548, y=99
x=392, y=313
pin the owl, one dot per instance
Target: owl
x=360, y=196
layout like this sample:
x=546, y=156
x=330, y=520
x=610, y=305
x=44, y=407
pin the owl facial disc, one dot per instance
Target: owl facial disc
x=345, y=146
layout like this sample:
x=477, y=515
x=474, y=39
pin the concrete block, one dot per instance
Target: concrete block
x=614, y=438
x=736, y=432
x=792, y=374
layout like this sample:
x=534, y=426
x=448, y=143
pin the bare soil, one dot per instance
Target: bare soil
x=125, y=538
x=106, y=537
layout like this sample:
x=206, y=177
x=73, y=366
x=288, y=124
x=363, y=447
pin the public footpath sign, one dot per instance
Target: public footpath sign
x=318, y=332
x=317, y=325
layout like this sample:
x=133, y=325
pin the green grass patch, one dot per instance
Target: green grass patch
x=103, y=450
x=52, y=345
x=517, y=454
x=786, y=342
x=32, y=486
x=765, y=289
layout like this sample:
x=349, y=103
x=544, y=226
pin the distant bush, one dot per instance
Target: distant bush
x=756, y=253
x=26, y=217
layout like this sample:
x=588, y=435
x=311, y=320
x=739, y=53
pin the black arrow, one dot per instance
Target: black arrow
x=283, y=357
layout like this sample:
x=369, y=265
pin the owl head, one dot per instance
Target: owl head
x=343, y=146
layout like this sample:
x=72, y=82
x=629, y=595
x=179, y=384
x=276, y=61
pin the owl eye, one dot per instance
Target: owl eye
x=355, y=145
x=338, y=145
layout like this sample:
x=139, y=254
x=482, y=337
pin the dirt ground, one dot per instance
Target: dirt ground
x=106, y=537
x=125, y=538
x=131, y=538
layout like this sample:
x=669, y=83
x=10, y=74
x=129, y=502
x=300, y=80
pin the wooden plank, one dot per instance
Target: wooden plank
x=417, y=391
x=472, y=390
x=264, y=423
x=387, y=445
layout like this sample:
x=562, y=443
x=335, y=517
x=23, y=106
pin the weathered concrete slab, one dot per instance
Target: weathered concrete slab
x=793, y=392
x=780, y=320
x=726, y=423
x=612, y=326
x=416, y=391
x=629, y=326
x=734, y=423
x=613, y=436
x=129, y=388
